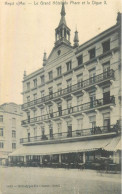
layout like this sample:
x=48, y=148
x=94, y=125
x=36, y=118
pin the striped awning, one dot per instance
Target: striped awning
x=119, y=146
x=114, y=144
x=70, y=147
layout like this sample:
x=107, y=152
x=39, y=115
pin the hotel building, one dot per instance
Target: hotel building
x=72, y=104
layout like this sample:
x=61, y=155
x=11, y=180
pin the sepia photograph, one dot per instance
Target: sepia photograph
x=60, y=97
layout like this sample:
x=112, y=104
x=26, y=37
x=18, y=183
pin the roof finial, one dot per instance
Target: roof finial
x=76, y=39
x=44, y=58
x=24, y=75
x=63, y=13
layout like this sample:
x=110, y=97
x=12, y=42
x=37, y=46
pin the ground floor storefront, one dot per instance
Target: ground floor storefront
x=93, y=154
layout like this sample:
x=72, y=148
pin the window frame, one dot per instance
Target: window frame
x=50, y=75
x=80, y=59
x=104, y=46
x=69, y=65
x=59, y=71
x=92, y=53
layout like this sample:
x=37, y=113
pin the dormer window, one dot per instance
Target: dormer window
x=92, y=53
x=69, y=65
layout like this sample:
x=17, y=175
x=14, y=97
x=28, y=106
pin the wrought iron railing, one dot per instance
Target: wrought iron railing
x=71, y=134
x=81, y=85
x=72, y=110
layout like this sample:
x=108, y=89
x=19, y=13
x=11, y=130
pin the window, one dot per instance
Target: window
x=50, y=90
x=42, y=93
x=59, y=88
x=34, y=113
x=28, y=86
x=79, y=124
x=42, y=79
x=59, y=71
x=69, y=85
x=35, y=96
x=106, y=66
x=42, y=111
x=35, y=132
x=106, y=121
x=13, y=133
x=69, y=65
x=80, y=59
x=79, y=100
x=92, y=74
x=92, y=96
x=59, y=128
x=92, y=121
x=1, y=131
x=13, y=145
x=28, y=98
x=50, y=75
x=69, y=103
x=13, y=122
x=1, y=145
x=106, y=95
x=79, y=80
x=1, y=118
x=28, y=117
x=50, y=109
x=35, y=83
x=43, y=131
x=92, y=53
x=106, y=46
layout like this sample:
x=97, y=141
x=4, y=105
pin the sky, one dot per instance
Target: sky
x=27, y=30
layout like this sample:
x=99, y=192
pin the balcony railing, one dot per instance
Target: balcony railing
x=72, y=110
x=71, y=134
x=81, y=85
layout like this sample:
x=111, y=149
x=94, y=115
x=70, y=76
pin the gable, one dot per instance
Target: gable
x=59, y=52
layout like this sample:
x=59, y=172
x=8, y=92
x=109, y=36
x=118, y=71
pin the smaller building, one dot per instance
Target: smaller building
x=10, y=129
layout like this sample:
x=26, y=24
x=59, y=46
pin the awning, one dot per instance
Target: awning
x=112, y=146
x=61, y=148
x=119, y=146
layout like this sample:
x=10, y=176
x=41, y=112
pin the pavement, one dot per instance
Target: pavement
x=16, y=180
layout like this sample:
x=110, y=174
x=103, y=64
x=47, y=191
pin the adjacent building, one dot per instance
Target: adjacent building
x=72, y=104
x=10, y=129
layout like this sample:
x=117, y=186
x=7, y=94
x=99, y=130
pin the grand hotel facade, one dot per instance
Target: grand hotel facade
x=72, y=104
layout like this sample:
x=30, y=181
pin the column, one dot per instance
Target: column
x=60, y=158
x=25, y=159
x=41, y=159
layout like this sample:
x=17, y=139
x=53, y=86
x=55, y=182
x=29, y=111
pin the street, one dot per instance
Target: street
x=16, y=180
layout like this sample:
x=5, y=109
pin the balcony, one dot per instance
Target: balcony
x=86, y=84
x=83, y=108
x=90, y=133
